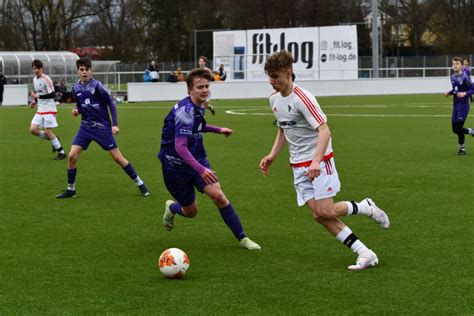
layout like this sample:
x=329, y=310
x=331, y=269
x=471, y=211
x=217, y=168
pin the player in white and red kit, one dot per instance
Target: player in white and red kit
x=303, y=125
x=45, y=118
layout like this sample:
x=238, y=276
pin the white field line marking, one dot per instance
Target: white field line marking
x=398, y=105
x=245, y=112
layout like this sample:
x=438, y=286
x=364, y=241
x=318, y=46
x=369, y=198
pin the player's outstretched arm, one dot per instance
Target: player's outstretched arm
x=226, y=131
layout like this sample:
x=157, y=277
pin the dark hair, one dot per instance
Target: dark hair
x=203, y=58
x=457, y=59
x=37, y=64
x=85, y=62
x=279, y=61
x=197, y=73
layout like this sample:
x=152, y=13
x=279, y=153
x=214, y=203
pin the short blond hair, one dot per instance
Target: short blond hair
x=282, y=60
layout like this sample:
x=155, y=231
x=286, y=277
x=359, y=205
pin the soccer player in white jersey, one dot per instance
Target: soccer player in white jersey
x=303, y=125
x=45, y=118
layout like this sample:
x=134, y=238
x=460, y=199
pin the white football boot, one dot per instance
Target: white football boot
x=365, y=260
x=168, y=216
x=378, y=215
x=249, y=244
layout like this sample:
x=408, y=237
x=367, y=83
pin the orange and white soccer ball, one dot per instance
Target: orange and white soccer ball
x=173, y=263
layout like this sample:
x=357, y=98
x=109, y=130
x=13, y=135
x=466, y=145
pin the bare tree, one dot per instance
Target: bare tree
x=416, y=15
x=454, y=27
x=46, y=24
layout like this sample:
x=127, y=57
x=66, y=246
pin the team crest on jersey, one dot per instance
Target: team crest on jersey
x=274, y=109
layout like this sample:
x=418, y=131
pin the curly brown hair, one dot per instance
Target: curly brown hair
x=279, y=61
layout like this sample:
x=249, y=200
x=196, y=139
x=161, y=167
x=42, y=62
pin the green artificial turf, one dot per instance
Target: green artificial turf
x=97, y=253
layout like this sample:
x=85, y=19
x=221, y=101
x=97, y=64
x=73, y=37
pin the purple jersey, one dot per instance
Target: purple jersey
x=461, y=83
x=184, y=120
x=93, y=102
x=467, y=70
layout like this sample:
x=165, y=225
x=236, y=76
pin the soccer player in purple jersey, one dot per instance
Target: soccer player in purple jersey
x=184, y=160
x=461, y=91
x=466, y=68
x=93, y=103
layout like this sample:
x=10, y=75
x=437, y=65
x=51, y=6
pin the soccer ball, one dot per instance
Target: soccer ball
x=173, y=263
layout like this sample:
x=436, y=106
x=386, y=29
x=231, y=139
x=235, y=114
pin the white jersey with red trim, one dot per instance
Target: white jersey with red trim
x=299, y=115
x=43, y=86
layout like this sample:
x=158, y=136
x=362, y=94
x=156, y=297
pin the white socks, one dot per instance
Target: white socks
x=57, y=145
x=42, y=135
x=346, y=237
x=354, y=208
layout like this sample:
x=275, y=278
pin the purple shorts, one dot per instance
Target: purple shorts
x=460, y=113
x=102, y=136
x=181, y=182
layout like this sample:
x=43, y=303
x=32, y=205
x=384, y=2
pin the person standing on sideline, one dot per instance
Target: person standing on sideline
x=93, y=104
x=222, y=72
x=203, y=65
x=154, y=71
x=184, y=159
x=44, y=120
x=303, y=125
x=3, y=82
x=462, y=89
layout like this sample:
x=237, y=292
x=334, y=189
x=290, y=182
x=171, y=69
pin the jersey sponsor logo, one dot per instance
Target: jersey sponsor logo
x=285, y=124
x=185, y=131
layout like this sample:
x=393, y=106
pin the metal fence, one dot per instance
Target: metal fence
x=116, y=75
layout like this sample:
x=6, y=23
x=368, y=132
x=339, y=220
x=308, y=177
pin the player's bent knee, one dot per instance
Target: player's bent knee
x=220, y=199
x=321, y=214
x=72, y=157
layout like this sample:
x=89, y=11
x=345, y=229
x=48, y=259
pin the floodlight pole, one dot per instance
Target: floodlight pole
x=375, y=39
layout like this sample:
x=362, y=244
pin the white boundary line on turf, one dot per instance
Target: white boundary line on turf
x=239, y=112
x=400, y=105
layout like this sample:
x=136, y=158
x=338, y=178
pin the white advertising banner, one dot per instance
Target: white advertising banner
x=301, y=42
x=338, y=58
x=229, y=50
x=318, y=52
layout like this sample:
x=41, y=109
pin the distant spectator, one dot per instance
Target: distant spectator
x=147, y=76
x=172, y=77
x=216, y=76
x=64, y=96
x=222, y=72
x=154, y=73
x=180, y=75
x=3, y=81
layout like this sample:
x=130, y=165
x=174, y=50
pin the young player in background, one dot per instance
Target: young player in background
x=202, y=65
x=184, y=159
x=466, y=68
x=462, y=89
x=93, y=104
x=302, y=124
x=44, y=120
